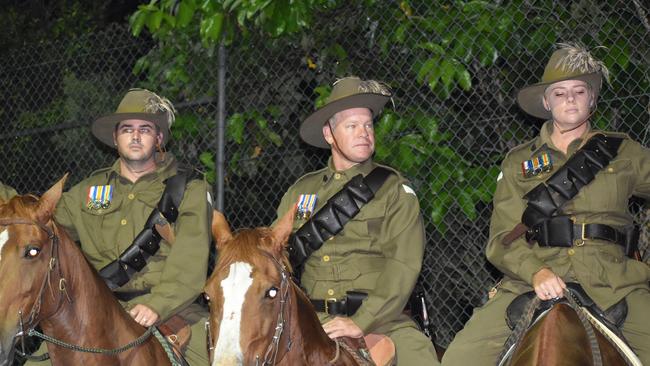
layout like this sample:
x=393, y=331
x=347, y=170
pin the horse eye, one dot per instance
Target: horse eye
x=31, y=252
x=272, y=292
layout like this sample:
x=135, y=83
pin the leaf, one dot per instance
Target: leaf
x=211, y=27
x=137, y=21
x=207, y=159
x=426, y=69
x=463, y=77
x=235, y=128
x=466, y=203
x=185, y=14
x=154, y=20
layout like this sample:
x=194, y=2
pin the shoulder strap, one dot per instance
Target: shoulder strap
x=147, y=242
x=332, y=217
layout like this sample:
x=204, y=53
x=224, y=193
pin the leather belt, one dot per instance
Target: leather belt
x=561, y=231
x=346, y=306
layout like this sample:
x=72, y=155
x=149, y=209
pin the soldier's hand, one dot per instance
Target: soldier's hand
x=342, y=327
x=144, y=315
x=548, y=285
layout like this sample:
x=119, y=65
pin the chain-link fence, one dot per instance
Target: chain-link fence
x=455, y=68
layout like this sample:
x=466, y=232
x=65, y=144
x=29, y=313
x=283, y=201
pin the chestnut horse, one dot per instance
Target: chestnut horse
x=567, y=334
x=258, y=315
x=47, y=281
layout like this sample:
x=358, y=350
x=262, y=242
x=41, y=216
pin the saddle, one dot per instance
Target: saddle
x=376, y=349
x=613, y=318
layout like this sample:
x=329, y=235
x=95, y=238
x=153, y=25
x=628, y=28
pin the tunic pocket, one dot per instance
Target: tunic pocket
x=610, y=190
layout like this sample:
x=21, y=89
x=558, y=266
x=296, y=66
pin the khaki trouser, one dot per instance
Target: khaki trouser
x=412, y=347
x=482, y=339
x=196, y=353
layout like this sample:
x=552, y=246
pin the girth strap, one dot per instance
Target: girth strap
x=333, y=216
x=147, y=242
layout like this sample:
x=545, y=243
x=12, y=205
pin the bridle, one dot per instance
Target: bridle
x=33, y=318
x=273, y=349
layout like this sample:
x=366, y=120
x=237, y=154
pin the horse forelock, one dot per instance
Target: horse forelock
x=245, y=246
x=20, y=206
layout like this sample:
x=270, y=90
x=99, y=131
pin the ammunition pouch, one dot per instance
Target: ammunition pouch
x=147, y=242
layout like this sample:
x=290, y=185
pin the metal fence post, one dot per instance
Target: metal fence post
x=221, y=127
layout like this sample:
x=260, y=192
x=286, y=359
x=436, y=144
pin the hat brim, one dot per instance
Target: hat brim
x=530, y=98
x=311, y=130
x=103, y=127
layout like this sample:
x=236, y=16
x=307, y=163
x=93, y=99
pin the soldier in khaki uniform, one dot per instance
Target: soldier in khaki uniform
x=379, y=251
x=6, y=192
x=106, y=223
x=567, y=96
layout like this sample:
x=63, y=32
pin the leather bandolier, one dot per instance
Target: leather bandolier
x=328, y=222
x=147, y=242
x=542, y=220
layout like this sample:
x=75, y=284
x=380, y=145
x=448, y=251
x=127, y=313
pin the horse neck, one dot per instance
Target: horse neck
x=89, y=308
x=314, y=346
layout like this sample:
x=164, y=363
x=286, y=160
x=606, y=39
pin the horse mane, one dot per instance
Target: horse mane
x=245, y=245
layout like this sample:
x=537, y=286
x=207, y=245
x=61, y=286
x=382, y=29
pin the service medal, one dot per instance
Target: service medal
x=537, y=165
x=99, y=197
x=306, y=206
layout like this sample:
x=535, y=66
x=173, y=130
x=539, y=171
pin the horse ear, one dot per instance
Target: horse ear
x=47, y=202
x=283, y=228
x=220, y=228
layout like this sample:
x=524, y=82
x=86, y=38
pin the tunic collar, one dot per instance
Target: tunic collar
x=331, y=173
x=544, y=142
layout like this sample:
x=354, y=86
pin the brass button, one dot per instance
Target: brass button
x=326, y=258
x=571, y=251
x=131, y=196
x=610, y=170
x=123, y=222
x=337, y=176
x=330, y=292
x=331, y=237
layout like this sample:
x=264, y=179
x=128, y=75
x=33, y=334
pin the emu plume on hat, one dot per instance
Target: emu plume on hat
x=349, y=92
x=568, y=62
x=137, y=104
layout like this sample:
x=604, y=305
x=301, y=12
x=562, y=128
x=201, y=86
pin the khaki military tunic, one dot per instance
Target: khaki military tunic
x=601, y=267
x=6, y=192
x=378, y=252
x=176, y=274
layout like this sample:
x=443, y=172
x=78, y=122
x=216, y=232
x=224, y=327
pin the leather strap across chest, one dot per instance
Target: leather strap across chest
x=332, y=217
x=147, y=242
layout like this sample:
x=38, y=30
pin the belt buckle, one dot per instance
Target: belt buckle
x=327, y=308
x=580, y=242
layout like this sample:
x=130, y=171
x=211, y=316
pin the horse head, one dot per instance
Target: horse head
x=28, y=251
x=249, y=294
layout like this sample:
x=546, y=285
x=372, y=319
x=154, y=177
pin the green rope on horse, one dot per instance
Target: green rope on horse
x=135, y=343
x=165, y=345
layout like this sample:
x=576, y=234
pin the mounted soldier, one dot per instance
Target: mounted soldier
x=561, y=212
